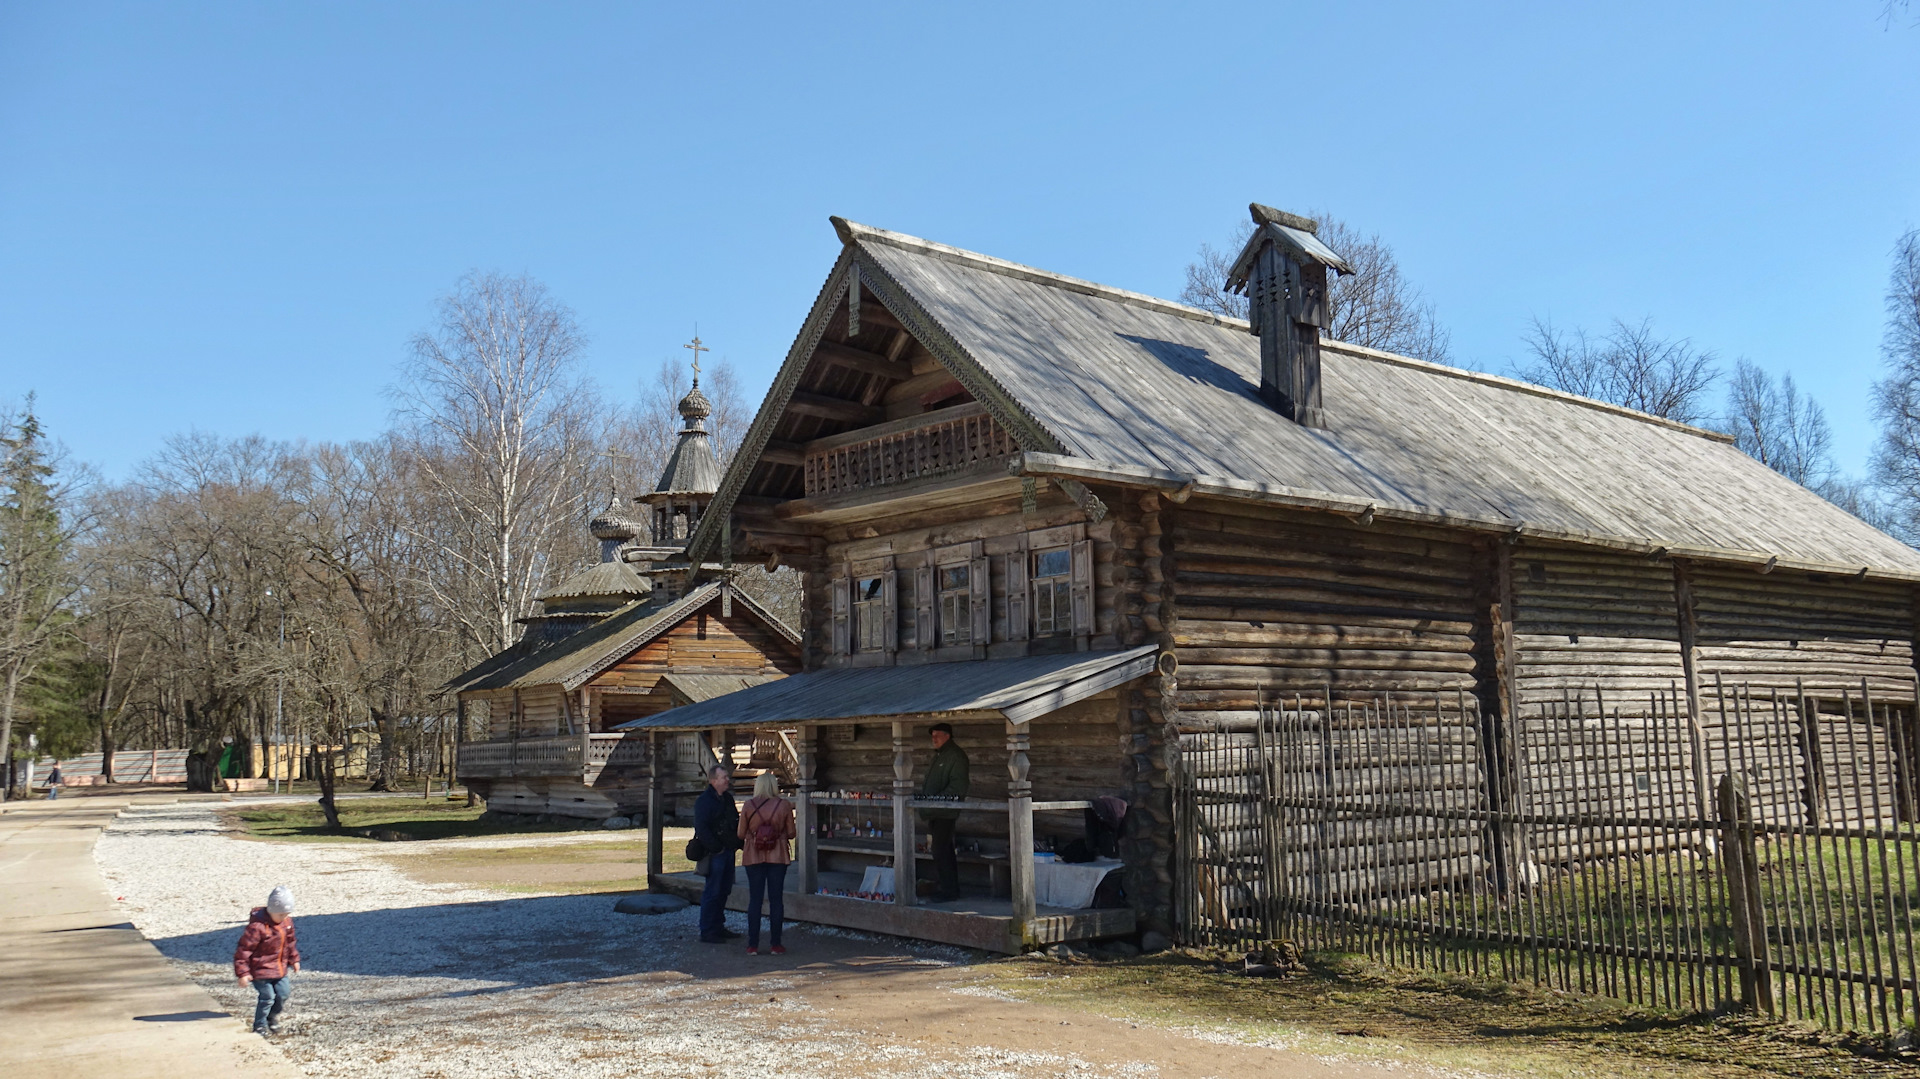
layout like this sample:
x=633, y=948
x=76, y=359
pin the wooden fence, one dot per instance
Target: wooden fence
x=1760, y=848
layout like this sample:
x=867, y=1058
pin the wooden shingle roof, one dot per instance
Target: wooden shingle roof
x=1100, y=383
x=573, y=661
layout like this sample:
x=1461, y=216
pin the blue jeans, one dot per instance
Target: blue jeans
x=713, y=898
x=766, y=880
x=273, y=998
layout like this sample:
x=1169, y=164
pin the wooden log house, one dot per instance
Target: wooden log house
x=611, y=645
x=1077, y=521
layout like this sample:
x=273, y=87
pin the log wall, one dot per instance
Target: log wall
x=1272, y=605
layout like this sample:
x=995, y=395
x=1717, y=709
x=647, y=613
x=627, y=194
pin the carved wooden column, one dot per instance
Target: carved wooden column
x=656, y=829
x=809, y=840
x=905, y=864
x=1020, y=830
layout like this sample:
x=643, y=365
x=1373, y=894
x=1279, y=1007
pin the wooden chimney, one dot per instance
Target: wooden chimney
x=1283, y=273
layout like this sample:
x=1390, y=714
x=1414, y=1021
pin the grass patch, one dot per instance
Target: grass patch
x=1349, y=1006
x=613, y=866
x=389, y=818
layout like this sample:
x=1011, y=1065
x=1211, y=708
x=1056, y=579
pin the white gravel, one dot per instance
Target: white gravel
x=408, y=979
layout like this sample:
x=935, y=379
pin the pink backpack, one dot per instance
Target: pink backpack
x=766, y=838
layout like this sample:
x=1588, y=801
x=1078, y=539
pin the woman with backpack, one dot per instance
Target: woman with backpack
x=766, y=829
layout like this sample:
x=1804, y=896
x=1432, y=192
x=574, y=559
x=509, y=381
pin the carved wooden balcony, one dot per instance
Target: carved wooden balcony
x=928, y=450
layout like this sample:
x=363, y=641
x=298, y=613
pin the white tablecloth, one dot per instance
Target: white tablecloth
x=1069, y=884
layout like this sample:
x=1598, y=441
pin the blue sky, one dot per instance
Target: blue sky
x=232, y=218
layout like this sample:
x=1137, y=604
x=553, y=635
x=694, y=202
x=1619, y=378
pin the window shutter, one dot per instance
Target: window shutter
x=1017, y=596
x=982, y=600
x=1083, y=587
x=842, y=612
x=924, y=600
x=889, y=613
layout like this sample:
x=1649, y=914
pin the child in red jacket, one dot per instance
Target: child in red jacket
x=268, y=951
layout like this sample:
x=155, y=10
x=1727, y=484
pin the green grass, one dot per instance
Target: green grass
x=393, y=818
x=1342, y=1005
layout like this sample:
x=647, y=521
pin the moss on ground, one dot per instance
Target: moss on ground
x=372, y=819
x=1346, y=1006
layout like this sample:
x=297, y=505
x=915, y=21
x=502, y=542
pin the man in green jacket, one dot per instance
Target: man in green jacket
x=946, y=778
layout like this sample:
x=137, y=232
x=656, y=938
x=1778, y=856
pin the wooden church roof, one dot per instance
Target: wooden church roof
x=1098, y=383
x=574, y=660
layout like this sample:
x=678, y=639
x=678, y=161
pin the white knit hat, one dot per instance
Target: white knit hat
x=280, y=900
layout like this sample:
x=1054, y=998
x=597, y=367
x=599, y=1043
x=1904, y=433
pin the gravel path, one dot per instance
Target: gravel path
x=410, y=979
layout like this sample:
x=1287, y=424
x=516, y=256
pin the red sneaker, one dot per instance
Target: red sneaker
x=751, y=950
x=778, y=949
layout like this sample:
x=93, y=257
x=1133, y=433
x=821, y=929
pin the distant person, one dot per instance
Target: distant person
x=268, y=952
x=946, y=778
x=716, y=823
x=765, y=830
x=53, y=783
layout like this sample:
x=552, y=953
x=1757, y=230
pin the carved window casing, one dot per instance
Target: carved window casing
x=956, y=604
x=870, y=612
x=1053, y=592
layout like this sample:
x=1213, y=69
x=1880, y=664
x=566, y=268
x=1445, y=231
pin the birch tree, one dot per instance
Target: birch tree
x=1896, y=397
x=501, y=428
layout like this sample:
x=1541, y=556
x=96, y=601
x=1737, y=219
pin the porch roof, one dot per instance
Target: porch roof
x=1019, y=689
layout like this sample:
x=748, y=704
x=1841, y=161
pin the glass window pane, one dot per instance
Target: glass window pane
x=1054, y=563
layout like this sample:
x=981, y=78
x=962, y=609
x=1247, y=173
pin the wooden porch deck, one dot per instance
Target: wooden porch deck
x=970, y=922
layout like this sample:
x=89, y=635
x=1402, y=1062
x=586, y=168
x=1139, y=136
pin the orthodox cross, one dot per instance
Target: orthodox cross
x=614, y=457
x=697, y=348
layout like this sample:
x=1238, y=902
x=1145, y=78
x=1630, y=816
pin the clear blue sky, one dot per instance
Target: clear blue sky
x=232, y=218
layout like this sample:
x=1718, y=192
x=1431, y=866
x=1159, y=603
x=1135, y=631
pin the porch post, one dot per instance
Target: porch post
x=656, y=830
x=808, y=842
x=1020, y=830
x=905, y=865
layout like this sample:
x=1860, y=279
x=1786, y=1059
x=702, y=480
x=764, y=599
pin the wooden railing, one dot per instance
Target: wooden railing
x=563, y=756
x=616, y=751
x=937, y=449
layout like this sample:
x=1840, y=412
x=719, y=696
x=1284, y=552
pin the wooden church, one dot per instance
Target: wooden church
x=626, y=638
x=1075, y=521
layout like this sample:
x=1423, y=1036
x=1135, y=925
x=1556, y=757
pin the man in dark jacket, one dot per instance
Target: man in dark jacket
x=716, y=819
x=946, y=778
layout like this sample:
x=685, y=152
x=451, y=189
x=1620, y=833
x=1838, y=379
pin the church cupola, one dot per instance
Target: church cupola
x=1283, y=273
x=692, y=474
x=613, y=528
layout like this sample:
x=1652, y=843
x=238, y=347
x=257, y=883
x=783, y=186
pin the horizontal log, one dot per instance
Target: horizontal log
x=834, y=408
x=1280, y=533
x=1269, y=613
x=1198, y=633
x=867, y=363
x=1373, y=658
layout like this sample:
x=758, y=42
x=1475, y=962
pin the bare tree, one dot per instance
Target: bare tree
x=502, y=429
x=1373, y=307
x=1896, y=397
x=1777, y=425
x=1631, y=366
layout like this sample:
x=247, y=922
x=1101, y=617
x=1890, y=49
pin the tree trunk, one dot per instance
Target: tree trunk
x=325, y=772
x=106, y=753
x=6, y=727
x=388, y=778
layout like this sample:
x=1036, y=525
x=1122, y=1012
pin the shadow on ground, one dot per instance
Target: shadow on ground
x=542, y=940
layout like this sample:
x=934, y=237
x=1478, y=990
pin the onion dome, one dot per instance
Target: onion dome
x=695, y=407
x=611, y=525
